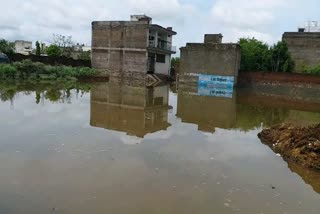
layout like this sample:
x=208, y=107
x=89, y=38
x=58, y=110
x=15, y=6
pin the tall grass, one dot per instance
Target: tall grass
x=36, y=70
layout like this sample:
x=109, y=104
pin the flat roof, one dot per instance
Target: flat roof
x=158, y=27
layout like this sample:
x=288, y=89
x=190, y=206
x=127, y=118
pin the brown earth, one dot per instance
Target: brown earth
x=295, y=143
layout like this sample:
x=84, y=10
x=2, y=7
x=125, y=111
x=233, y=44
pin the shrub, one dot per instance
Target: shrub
x=35, y=70
x=27, y=67
x=8, y=71
x=53, y=50
x=312, y=70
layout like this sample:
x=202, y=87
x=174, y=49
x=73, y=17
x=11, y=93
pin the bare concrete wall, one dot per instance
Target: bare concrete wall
x=304, y=48
x=120, y=48
x=214, y=59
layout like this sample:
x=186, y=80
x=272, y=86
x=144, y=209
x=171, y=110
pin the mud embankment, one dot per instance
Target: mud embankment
x=295, y=143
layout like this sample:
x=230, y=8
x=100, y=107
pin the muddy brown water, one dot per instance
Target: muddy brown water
x=124, y=149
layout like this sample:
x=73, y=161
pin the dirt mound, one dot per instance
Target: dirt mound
x=295, y=143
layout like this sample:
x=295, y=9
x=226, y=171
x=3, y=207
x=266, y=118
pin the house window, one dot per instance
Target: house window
x=161, y=58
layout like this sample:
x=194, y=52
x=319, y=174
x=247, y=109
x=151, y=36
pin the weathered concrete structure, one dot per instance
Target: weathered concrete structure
x=23, y=47
x=131, y=49
x=136, y=110
x=211, y=57
x=304, y=48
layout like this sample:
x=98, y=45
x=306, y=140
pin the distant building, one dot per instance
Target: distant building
x=212, y=60
x=23, y=47
x=310, y=26
x=132, y=49
x=304, y=46
x=80, y=51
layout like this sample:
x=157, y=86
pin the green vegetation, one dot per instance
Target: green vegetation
x=36, y=70
x=38, y=49
x=55, y=91
x=53, y=50
x=281, y=60
x=175, y=62
x=252, y=117
x=6, y=47
x=258, y=56
x=64, y=43
x=312, y=70
x=85, y=55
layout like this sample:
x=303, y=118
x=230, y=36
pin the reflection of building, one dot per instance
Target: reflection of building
x=208, y=112
x=134, y=110
x=23, y=47
x=131, y=49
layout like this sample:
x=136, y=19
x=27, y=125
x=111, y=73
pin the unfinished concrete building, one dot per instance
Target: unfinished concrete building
x=209, y=58
x=135, y=110
x=131, y=49
x=304, y=48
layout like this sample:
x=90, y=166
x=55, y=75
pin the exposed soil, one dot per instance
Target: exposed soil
x=296, y=143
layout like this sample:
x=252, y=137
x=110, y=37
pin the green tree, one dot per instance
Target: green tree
x=255, y=55
x=7, y=47
x=38, y=49
x=65, y=43
x=175, y=62
x=281, y=60
x=258, y=56
x=53, y=50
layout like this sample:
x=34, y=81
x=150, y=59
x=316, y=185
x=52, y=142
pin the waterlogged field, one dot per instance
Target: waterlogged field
x=106, y=148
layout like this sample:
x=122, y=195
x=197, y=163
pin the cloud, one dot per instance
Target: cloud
x=264, y=19
x=248, y=18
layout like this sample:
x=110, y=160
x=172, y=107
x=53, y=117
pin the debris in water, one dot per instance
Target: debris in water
x=227, y=204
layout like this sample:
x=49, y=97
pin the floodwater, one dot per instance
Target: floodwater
x=125, y=149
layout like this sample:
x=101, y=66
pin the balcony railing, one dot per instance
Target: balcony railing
x=162, y=45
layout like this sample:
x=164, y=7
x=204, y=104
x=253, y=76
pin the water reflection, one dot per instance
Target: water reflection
x=245, y=109
x=52, y=158
x=136, y=110
x=208, y=112
x=54, y=91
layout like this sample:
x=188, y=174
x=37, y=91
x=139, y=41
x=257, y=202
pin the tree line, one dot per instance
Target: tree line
x=60, y=46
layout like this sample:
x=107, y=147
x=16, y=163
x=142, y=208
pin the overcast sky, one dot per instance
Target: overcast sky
x=263, y=19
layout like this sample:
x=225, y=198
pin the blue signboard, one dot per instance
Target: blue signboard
x=215, y=85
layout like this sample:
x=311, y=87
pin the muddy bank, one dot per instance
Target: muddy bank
x=298, y=144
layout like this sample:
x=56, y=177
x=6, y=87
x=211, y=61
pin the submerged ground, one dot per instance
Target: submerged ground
x=69, y=149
